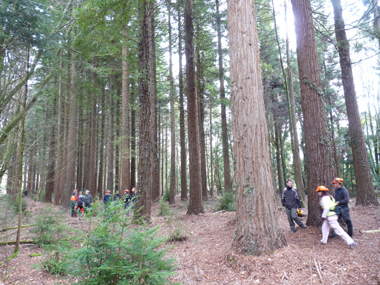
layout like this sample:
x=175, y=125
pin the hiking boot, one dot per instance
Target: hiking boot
x=293, y=231
x=321, y=243
x=304, y=226
x=353, y=245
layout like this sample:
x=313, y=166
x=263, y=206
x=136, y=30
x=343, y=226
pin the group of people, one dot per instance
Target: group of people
x=128, y=198
x=333, y=210
x=78, y=202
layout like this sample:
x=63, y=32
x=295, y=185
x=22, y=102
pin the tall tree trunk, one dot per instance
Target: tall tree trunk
x=49, y=189
x=101, y=144
x=182, y=135
x=319, y=168
x=93, y=130
x=133, y=140
x=226, y=157
x=110, y=154
x=172, y=122
x=211, y=155
x=146, y=66
x=195, y=203
x=293, y=121
x=365, y=190
x=125, y=172
x=201, y=117
x=117, y=149
x=71, y=137
x=80, y=156
x=257, y=230
x=156, y=155
x=60, y=137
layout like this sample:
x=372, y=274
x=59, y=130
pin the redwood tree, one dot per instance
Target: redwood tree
x=257, y=229
x=319, y=167
x=364, y=185
x=195, y=203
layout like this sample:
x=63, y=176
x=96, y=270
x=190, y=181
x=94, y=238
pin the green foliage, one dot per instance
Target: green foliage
x=35, y=254
x=164, y=209
x=227, y=203
x=166, y=196
x=15, y=205
x=49, y=228
x=117, y=252
x=13, y=256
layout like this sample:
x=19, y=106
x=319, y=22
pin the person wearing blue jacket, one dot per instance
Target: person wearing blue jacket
x=107, y=197
x=342, y=198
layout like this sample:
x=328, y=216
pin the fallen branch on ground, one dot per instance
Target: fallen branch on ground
x=13, y=242
x=13, y=228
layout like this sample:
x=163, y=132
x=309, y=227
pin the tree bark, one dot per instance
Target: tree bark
x=146, y=66
x=49, y=189
x=182, y=135
x=125, y=165
x=93, y=130
x=110, y=154
x=257, y=230
x=172, y=122
x=365, y=190
x=319, y=166
x=195, y=203
x=226, y=157
x=101, y=145
x=133, y=140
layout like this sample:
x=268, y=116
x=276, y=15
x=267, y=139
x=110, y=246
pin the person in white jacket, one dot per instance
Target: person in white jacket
x=330, y=218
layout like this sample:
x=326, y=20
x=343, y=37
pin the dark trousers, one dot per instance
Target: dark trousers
x=292, y=216
x=73, y=212
x=345, y=215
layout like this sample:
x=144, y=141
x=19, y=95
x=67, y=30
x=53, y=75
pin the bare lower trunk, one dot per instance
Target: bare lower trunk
x=110, y=154
x=257, y=231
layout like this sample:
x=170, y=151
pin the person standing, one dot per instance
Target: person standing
x=73, y=204
x=107, y=197
x=88, y=199
x=291, y=200
x=133, y=197
x=330, y=218
x=81, y=201
x=342, y=198
x=127, y=200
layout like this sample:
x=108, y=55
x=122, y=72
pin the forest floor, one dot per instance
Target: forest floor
x=205, y=257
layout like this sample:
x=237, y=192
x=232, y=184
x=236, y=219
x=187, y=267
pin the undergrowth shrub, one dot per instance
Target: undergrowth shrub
x=164, y=209
x=227, y=203
x=117, y=251
x=166, y=196
x=178, y=232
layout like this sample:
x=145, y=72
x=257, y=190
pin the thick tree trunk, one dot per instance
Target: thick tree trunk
x=226, y=157
x=156, y=155
x=195, y=203
x=365, y=190
x=117, y=148
x=146, y=66
x=71, y=137
x=211, y=156
x=81, y=155
x=125, y=165
x=182, y=135
x=257, y=230
x=172, y=122
x=319, y=167
x=292, y=102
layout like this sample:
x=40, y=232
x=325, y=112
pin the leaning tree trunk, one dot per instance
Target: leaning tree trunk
x=319, y=167
x=195, y=203
x=182, y=136
x=365, y=191
x=257, y=230
x=226, y=157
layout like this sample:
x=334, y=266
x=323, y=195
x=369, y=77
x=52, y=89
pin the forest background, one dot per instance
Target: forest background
x=90, y=99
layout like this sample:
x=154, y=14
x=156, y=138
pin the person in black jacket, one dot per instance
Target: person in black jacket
x=291, y=200
x=342, y=198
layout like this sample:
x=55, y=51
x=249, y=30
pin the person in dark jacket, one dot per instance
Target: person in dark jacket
x=81, y=201
x=342, y=198
x=88, y=199
x=291, y=200
x=107, y=197
x=127, y=200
